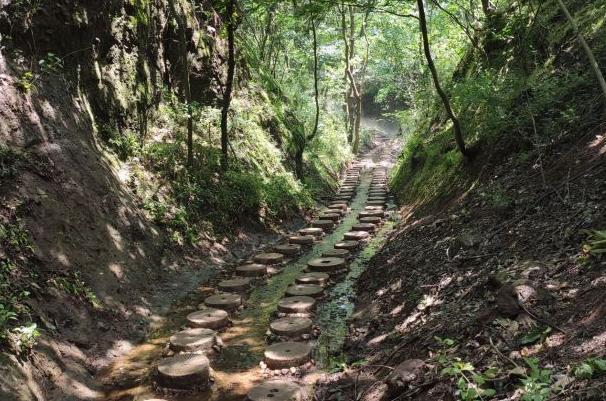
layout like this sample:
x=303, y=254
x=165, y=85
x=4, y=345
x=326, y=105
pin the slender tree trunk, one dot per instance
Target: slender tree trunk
x=346, y=94
x=436, y=81
x=179, y=16
x=316, y=86
x=231, y=68
x=592, y=60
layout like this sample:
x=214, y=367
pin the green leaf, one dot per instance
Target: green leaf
x=583, y=371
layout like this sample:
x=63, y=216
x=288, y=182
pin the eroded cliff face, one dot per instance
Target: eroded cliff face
x=85, y=255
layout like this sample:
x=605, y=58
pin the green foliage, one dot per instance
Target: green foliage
x=25, y=337
x=51, y=64
x=590, y=368
x=536, y=385
x=126, y=145
x=596, y=243
x=26, y=82
x=535, y=334
x=75, y=286
x=10, y=163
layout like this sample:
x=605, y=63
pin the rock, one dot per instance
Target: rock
x=405, y=373
x=506, y=301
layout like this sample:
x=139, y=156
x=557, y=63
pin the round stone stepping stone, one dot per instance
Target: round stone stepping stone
x=251, y=270
x=291, y=326
x=271, y=258
x=349, y=245
x=377, y=198
x=373, y=207
x=298, y=304
x=381, y=194
x=375, y=203
x=356, y=235
x=338, y=205
x=313, y=278
x=275, y=390
x=336, y=209
x=324, y=224
x=371, y=213
x=336, y=253
x=330, y=216
x=342, y=198
x=191, y=340
x=287, y=354
x=184, y=372
x=305, y=290
x=235, y=285
x=208, y=318
x=329, y=264
x=315, y=231
x=373, y=220
x=225, y=301
x=288, y=249
x=369, y=227
x=301, y=239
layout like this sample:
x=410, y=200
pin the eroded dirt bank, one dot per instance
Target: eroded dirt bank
x=484, y=283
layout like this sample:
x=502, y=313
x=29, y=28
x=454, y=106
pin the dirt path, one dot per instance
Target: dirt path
x=239, y=365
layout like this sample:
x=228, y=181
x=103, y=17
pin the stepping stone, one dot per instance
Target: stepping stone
x=336, y=253
x=330, y=216
x=298, y=304
x=271, y=258
x=356, y=235
x=345, y=188
x=184, y=372
x=373, y=207
x=348, y=245
x=337, y=209
x=325, y=225
x=275, y=390
x=288, y=249
x=191, y=340
x=377, y=198
x=291, y=326
x=208, y=318
x=346, y=194
x=287, y=354
x=235, y=285
x=305, y=290
x=315, y=231
x=340, y=212
x=313, y=278
x=326, y=264
x=364, y=227
x=225, y=301
x=372, y=220
x=251, y=270
x=342, y=205
x=342, y=198
x=301, y=240
x=375, y=203
x=377, y=193
x=371, y=213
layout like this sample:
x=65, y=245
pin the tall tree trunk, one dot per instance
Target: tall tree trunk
x=316, y=88
x=181, y=26
x=592, y=60
x=346, y=94
x=231, y=68
x=436, y=81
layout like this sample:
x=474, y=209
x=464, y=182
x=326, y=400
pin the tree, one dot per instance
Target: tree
x=592, y=60
x=436, y=80
x=353, y=95
x=231, y=69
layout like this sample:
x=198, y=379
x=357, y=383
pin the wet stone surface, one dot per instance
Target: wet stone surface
x=251, y=270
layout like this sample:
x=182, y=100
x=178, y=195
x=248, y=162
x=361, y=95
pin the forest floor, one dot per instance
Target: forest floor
x=484, y=282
